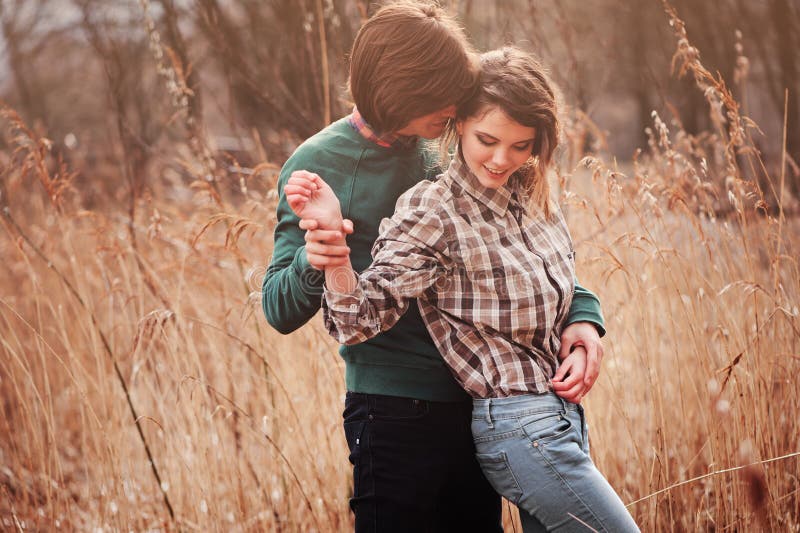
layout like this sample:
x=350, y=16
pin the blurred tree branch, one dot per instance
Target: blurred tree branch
x=276, y=69
x=18, y=32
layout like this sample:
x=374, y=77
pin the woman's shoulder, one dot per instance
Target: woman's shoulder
x=429, y=195
x=420, y=214
x=420, y=218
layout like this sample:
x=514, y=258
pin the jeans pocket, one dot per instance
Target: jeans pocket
x=543, y=427
x=498, y=473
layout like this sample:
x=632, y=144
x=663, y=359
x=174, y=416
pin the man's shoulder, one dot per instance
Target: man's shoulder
x=332, y=149
x=332, y=139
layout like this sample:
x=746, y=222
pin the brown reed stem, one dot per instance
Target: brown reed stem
x=270, y=441
x=107, y=347
x=326, y=75
x=710, y=474
x=780, y=192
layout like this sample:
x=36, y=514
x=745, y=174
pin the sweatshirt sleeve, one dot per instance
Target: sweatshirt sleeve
x=586, y=308
x=291, y=293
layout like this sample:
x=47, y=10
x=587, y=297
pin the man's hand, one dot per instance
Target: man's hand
x=326, y=248
x=311, y=198
x=568, y=382
x=583, y=334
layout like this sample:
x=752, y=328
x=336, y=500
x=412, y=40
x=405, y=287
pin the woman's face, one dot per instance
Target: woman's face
x=494, y=145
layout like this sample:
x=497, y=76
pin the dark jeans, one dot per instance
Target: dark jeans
x=414, y=467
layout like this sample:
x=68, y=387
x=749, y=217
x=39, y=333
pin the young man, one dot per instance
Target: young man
x=406, y=420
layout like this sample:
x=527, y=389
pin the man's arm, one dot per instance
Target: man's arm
x=583, y=329
x=585, y=308
x=291, y=293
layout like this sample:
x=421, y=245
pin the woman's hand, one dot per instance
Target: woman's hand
x=311, y=198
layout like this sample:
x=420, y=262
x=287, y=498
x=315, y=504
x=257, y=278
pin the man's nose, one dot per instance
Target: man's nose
x=449, y=112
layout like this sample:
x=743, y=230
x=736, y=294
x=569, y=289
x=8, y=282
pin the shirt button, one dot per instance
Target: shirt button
x=371, y=417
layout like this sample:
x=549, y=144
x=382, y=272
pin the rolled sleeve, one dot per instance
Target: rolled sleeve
x=586, y=308
x=346, y=316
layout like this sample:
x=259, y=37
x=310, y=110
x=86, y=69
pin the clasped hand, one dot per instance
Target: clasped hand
x=321, y=216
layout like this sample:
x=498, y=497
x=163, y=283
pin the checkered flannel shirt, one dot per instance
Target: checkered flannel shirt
x=493, y=282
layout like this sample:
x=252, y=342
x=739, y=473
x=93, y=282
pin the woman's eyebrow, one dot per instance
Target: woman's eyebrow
x=479, y=132
x=484, y=134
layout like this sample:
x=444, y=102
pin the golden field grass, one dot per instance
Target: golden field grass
x=243, y=424
x=142, y=389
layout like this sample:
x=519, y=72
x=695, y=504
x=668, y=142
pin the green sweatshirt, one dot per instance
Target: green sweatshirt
x=368, y=179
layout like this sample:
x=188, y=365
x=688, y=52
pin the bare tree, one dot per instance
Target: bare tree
x=19, y=20
x=125, y=57
x=786, y=20
x=271, y=56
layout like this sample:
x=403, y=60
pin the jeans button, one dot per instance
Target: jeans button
x=371, y=417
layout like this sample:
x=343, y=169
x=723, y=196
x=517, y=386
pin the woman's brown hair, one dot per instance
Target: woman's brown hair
x=515, y=82
x=410, y=59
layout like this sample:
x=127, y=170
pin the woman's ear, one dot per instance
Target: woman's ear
x=460, y=127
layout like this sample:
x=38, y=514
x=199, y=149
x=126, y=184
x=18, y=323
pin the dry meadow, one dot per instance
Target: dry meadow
x=142, y=389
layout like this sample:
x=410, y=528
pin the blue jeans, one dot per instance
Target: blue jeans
x=534, y=450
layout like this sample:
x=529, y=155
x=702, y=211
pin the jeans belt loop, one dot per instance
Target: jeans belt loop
x=489, y=413
x=563, y=404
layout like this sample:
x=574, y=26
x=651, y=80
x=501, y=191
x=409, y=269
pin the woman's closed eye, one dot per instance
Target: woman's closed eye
x=489, y=141
x=526, y=147
x=486, y=141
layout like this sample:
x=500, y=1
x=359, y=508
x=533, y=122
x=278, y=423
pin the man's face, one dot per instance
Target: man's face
x=429, y=126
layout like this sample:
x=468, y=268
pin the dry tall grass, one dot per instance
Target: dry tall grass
x=113, y=352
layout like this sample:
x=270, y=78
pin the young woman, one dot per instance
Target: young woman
x=490, y=261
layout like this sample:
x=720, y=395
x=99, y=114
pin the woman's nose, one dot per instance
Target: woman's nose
x=500, y=157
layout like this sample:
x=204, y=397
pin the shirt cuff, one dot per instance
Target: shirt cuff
x=340, y=302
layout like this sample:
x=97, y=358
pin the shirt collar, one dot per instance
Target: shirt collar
x=386, y=140
x=498, y=200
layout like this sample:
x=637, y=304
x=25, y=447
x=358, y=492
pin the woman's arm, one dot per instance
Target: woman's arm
x=408, y=258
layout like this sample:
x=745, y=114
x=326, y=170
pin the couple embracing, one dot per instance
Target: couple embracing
x=448, y=276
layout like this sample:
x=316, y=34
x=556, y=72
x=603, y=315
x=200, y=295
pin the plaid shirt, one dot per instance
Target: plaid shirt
x=493, y=283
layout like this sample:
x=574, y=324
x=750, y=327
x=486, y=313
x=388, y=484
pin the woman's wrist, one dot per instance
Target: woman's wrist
x=341, y=279
x=335, y=223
